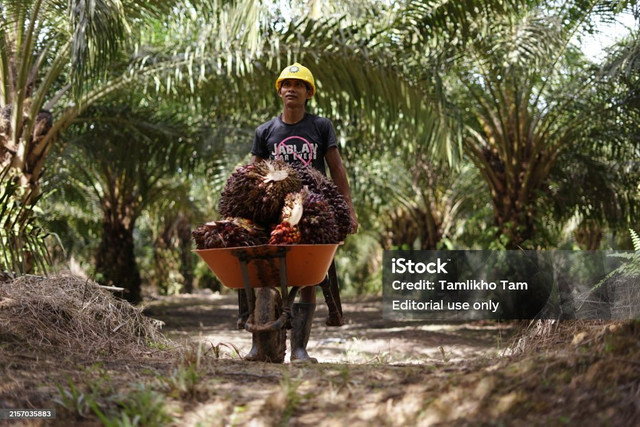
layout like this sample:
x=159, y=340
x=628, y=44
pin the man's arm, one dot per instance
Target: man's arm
x=339, y=176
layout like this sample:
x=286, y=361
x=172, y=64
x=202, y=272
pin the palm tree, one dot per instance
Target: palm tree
x=123, y=160
x=520, y=89
x=54, y=57
x=58, y=58
x=54, y=62
x=416, y=208
x=608, y=166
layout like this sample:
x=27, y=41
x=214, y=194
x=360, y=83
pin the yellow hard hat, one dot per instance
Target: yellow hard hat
x=298, y=72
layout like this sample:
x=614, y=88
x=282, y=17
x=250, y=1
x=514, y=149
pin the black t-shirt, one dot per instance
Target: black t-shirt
x=306, y=141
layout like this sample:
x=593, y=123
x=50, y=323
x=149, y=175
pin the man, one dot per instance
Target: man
x=298, y=136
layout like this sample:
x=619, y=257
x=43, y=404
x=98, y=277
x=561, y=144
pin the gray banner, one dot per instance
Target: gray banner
x=474, y=285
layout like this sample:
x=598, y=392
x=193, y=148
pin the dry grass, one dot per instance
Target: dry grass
x=64, y=311
x=553, y=335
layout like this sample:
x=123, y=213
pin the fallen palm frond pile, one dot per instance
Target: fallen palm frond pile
x=71, y=314
x=600, y=336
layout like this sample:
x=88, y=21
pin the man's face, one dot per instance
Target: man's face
x=294, y=92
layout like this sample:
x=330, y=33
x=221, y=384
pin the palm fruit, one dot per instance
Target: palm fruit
x=288, y=232
x=318, y=183
x=229, y=233
x=284, y=234
x=257, y=191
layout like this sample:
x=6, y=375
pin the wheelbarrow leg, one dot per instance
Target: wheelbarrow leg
x=243, y=308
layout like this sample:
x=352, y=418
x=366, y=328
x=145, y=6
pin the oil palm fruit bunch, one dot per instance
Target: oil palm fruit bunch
x=229, y=233
x=257, y=191
x=318, y=223
x=306, y=218
x=318, y=183
x=288, y=232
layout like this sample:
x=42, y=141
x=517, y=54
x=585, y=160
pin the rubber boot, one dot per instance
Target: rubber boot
x=243, y=316
x=300, y=330
x=252, y=356
x=334, y=318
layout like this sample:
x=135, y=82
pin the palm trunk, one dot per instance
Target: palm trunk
x=407, y=227
x=588, y=235
x=115, y=260
x=515, y=221
x=515, y=184
x=25, y=152
x=183, y=228
x=24, y=170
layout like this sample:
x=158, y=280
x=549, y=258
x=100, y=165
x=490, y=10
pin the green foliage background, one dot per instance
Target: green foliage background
x=462, y=124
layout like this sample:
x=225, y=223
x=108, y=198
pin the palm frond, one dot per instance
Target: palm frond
x=99, y=29
x=356, y=76
x=635, y=239
x=137, y=147
x=624, y=58
x=23, y=246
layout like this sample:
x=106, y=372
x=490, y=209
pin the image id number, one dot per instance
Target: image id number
x=17, y=414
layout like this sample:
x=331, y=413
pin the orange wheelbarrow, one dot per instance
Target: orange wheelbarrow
x=276, y=273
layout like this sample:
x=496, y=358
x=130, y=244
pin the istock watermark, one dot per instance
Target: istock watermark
x=468, y=285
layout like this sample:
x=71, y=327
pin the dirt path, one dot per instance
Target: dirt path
x=369, y=371
x=365, y=337
x=374, y=372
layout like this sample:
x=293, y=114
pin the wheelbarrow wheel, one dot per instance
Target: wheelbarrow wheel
x=268, y=308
